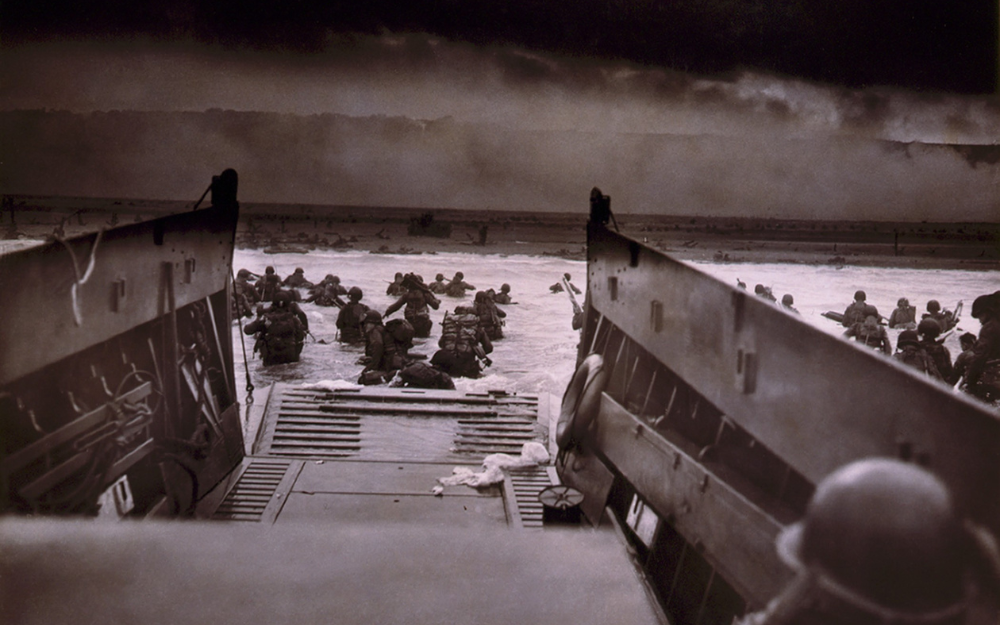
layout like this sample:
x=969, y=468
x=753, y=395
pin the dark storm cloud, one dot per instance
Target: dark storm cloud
x=918, y=44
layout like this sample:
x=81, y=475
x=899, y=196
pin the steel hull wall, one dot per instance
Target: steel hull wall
x=813, y=399
x=137, y=269
x=116, y=369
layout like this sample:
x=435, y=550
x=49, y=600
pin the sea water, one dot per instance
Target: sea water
x=538, y=352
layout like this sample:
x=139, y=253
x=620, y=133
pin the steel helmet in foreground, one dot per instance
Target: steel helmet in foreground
x=881, y=542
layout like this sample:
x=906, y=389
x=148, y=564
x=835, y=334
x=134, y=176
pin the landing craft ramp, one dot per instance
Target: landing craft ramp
x=374, y=454
x=331, y=518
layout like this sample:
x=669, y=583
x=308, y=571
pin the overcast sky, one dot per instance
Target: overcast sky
x=919, y=44
x=914, y=71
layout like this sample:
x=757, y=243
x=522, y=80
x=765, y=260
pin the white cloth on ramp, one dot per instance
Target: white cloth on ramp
x=532, y=454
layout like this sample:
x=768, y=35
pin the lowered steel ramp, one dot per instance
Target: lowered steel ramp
x=360, y=455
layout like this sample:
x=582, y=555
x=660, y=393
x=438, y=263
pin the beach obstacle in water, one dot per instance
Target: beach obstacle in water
x=426, y=226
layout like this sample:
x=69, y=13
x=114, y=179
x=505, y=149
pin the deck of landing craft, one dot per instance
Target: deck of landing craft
x=375, y=454
x=331, y=518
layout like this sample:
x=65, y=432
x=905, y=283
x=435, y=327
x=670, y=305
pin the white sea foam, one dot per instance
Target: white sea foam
x=537, y=355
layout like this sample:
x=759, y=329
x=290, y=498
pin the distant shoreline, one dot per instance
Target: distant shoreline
x=299, y=228
x=912, y=245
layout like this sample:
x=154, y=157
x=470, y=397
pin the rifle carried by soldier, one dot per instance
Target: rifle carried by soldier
x=578, y=315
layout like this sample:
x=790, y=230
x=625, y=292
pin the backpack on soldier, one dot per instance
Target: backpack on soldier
x=917, y=358
x=870, y=336
x=349, y=321
x=423, y=375
x=401, y=331
x=460, y=330
x=282, y=332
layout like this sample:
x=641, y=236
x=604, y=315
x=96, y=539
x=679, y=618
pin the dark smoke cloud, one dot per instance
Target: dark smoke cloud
x=920, y=44
x=422, y=77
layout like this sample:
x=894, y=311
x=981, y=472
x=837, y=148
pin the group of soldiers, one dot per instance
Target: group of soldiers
x=467, y=333
x=920, y=344
x=252, y=289
x=764, y=292
x=464, y=347
x=282, y=327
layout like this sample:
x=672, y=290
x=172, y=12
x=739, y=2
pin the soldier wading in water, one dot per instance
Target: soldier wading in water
x=463, y=344
x=280, y=332
x=268, y=285
x=417, y=299
x=490, y=317
x=982, y=375
x=386, y=348
x=351, y=318
x=439, y=286
x=457, y=287
x=871, y=334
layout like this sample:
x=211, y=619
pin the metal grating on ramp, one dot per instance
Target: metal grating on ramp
x=388, y=424
x=491, y=436
x=521, y=489
x=254, y=492
x=306, y=428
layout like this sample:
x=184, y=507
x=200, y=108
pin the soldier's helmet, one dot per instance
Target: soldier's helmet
x=933, y=306
x=354, y=293
x=967, y=340
x=439, y=277
x=459, y=275
x=243, y=273
x=981, y=306
x=373, y=316
x=787, y=299
x=281, y=299
x=860, y=295
x=504, y=288
x=403, y=332
x=907, y=337
x=903, y=302
x=929, y=328
x=882, y=537
x=269, y=269
x=299, y=270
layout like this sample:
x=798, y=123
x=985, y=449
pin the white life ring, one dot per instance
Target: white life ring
x=581, y=400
